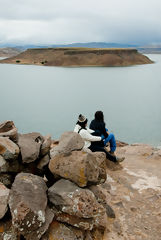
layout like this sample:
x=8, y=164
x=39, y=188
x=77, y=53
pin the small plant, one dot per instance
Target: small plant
x=18, y=61
x=43, y=62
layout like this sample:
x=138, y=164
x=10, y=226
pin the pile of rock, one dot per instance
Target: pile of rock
x=50, y=193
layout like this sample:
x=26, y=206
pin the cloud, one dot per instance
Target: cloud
x=52, y=21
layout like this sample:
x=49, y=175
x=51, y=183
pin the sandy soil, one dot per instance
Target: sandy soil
x=134, y=192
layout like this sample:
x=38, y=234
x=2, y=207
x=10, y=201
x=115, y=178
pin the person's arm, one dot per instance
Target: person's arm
x=87, y=136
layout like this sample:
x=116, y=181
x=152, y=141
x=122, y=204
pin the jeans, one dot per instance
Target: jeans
x=112, y=141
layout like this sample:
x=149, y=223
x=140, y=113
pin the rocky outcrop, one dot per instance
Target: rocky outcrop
x=70, y=206
x=8, y=129
x=112, y=203
x=80, y=57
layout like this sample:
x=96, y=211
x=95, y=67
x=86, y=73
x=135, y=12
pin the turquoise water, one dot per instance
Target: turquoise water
x=49, y=99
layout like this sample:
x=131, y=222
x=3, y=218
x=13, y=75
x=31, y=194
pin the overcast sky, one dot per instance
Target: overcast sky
x=68, y=21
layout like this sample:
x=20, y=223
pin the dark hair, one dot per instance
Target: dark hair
x=99, y=116
x=83, y=124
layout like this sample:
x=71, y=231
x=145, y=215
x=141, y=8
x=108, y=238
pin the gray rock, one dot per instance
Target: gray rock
x=8, y=149
x=4, y=195
x=6, y=179
x=30, y=146
x=10, y=166
x=59, y=231
x=76, y=206
x=8, y=129
x=80, y=167
x=28, y=202
x=45, y=148
x=69, y=141
x=43, y=162
x=35, y=235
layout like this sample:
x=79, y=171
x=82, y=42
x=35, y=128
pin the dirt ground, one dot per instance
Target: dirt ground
x=133, y=190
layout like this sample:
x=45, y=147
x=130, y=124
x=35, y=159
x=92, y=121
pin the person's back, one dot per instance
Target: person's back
x=97, y=125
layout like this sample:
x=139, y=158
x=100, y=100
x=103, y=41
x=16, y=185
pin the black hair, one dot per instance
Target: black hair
x=99, y=116
x=82, y=124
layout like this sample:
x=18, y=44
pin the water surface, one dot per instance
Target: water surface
x=49, y=99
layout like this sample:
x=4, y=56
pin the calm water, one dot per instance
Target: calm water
x=49, y=99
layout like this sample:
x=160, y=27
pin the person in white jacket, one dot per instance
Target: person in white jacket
x=91, y=142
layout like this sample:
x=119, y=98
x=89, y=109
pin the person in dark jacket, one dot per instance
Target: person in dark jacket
x=98, y=125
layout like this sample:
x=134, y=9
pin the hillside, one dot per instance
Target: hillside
x=9, y=52
x=79, y=57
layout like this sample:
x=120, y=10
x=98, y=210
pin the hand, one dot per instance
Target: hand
x=102, y=136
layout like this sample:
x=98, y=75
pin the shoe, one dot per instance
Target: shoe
x=112, y=153
x=120, y=159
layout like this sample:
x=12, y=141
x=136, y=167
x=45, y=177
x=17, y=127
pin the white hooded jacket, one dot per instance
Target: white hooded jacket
x=86, y=135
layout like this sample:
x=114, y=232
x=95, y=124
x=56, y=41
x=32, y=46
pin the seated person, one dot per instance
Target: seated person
x=98, y=125
x=90, y=141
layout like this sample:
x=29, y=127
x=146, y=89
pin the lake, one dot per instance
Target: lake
x=49, y=99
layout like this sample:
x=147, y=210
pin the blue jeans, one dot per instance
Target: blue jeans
x=112, y=141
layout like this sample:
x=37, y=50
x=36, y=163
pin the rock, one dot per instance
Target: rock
x=99, y=193
x=77, y=206
x=40, y=231
x=43, y=162
x=80, y=167
x=28, y=203
x=4, y=195
x=101, y=160
x=8, y=149
x=59, y=231
x=9, y=166
x=30, y=146
x=68, y=142
x=6, y=179
x=8, y=129
x=45, y=147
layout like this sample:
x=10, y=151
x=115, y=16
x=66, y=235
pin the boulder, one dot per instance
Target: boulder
x=45, y=147
x=69, y=141
x=4, y=195
x=43, y=162
x=59, y=231
x=77, y=206
x=80, y=167
x=8, y=149
x=28, y=202
x=30, y=144
x=8, y=129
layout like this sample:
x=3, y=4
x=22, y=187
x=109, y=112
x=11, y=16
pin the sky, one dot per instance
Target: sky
x=74, y=21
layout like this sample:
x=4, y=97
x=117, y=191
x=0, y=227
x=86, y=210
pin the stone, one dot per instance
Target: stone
x=49, y=215
x=80, y=167
x=9, y=166
x=69, y=141
x=28, y=202
x=43, y=162
x=59, y=231
x=77, y=206
x=30, y=145
x=45, y=147
x=8, y=129
x=6, y=179
x=4, y=195
x=8, y=149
